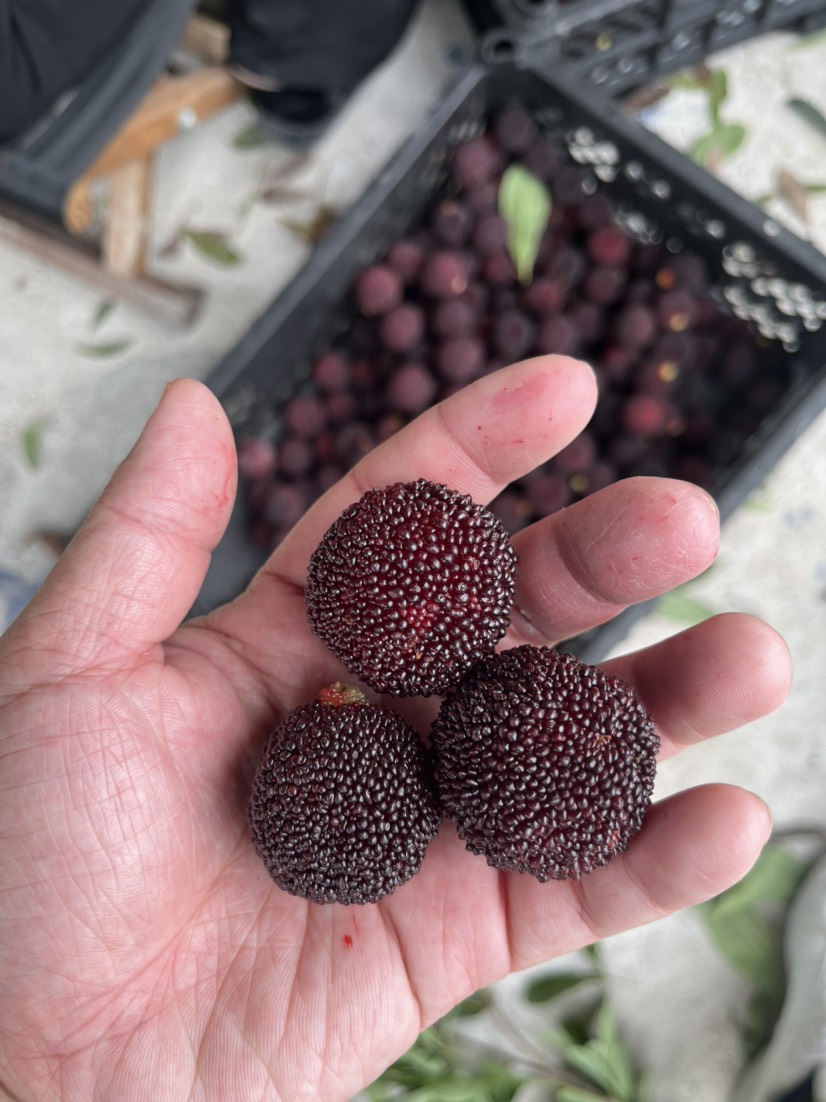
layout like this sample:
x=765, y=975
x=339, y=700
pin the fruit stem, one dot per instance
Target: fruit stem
x=338, y=693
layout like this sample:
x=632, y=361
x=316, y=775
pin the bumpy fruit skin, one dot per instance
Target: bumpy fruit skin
x=545, y=765
x=343, y=804
x=411, y=586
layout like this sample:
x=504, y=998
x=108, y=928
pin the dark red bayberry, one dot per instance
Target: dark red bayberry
x=514, y=129
x=331, y=372
x=513, y=335
x=491, y=235
x=558, y=335
x=402, y=329
x=544, y=159
x=343, y=805
x=461, y=360
x=454, y=317
x=646, y=415
x=545, y=765
x=444, y=275
x=411, y=586
x=304, y=415
x=256, y=458
x=543, y=297
x=295, y=457
x=580, y=455
x=474, y=163
x=498, y=270
x=378, y=289
x=405, y=258
x=546, y=491
x=676, y=310
x=285, y=505
x=635, y=327
x=411, y=388
x=610, y=247
x=603, y=285
x=452, y=223
x=341, y=406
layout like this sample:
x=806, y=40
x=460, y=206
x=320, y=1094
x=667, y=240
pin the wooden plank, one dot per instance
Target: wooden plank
x=167, y=302
x=174, y=106
x=127, y=224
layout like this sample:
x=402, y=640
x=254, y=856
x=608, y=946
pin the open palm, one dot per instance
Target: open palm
x=144, y=951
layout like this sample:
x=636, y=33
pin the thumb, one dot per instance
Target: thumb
x=134, y=568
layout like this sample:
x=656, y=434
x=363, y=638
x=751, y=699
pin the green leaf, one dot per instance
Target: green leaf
x=809, y=113
x=466, y=1090
x=105, y=351
x=721, y=141
x=591, y=1062
x=750, y=943
x=378, y=1091
x=576, y=1094
x=717, y=95
x=604, y=1061
x=214, y=246
x=472, y=1005
x=688, y=81
x=798, y=1034
x=677, y=605
x=577, y=1030
x=30, y=440
x=525, y=204
x=759, y=1023
x=251, y=137
x=422, y=1064
x=545, y=988
x=616, y=1054
x=729, y=137
x=104, y=309
x=592, y=951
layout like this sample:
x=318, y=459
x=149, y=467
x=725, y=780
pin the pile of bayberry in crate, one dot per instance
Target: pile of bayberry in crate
x=520, y=256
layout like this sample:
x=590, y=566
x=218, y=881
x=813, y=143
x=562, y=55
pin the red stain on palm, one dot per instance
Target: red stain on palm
x=348, y=941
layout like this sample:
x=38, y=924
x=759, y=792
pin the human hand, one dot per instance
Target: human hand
x=144, y=951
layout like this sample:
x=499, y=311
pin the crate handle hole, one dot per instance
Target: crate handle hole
x=500, y=47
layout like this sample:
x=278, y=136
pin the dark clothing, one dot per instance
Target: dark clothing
x=324, y=45
x=48, y=46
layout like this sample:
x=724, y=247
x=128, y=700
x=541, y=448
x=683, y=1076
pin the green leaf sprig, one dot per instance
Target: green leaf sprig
x=214, y=246
x=525, y=204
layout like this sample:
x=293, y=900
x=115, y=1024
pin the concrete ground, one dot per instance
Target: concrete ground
x=77, y=389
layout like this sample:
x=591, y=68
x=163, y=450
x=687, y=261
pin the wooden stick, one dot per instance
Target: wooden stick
x=171, y=108
x=166, y=302
x=128, y=219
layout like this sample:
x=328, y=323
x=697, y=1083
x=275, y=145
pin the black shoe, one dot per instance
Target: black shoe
x=295, y=117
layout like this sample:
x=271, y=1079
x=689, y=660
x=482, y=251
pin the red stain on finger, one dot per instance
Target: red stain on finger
x=348, y=941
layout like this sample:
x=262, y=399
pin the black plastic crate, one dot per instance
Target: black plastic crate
x=620, y=44
x=546, y=19
x=761, y=272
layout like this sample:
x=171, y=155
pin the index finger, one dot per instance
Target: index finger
x=477, y=441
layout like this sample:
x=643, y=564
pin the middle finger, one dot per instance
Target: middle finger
x=625, y=544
